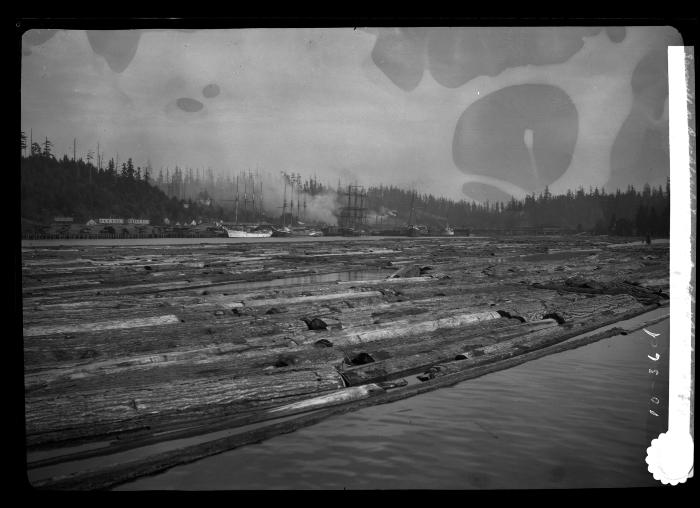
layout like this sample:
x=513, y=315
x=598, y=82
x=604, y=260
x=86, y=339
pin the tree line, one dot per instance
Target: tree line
x=84, y=190
x=53, y=187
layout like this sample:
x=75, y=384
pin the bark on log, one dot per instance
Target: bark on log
x=405, y=365
x=415, y=328
x=521, y=345
x=111, y=410
x=168, y=319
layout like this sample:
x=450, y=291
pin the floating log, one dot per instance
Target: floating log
x=226, y=359
x=113, y=475
x=524, y=344
x=416, y=328
x=312, y=298
x=337, y=397
x=108, y=411
x=168, y=319
x=591, y=286
x=406, y=365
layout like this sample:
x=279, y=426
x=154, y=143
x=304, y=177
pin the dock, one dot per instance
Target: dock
x=141, y=357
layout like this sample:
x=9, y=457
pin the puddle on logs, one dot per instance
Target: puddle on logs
x=557, y=256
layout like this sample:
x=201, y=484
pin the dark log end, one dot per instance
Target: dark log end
x=506, y=314
x=315, y=323
x=556, y=317
x=361, y=359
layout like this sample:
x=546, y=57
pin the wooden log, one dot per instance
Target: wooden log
x=168, y=319
x=393, y=280
x=341, y=396
x=581, y=308
x=411, y=328
x=410, y=364
x=313, y=298
x=407, y=271
x=122, y=472
x=90, y=413
x=521, y=345
x=591, y=286
x=338, y=397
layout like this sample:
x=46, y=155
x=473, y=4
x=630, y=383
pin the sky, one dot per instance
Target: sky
x=477, y=113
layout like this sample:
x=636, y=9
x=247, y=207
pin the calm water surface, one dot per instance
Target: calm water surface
x=575, y=419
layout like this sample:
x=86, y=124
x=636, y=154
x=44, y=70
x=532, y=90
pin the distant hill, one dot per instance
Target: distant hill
x=51, y=187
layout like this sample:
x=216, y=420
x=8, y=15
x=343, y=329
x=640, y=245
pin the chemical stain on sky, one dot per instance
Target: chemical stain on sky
x=459, y=112
x=189, y=105
x=211, y=90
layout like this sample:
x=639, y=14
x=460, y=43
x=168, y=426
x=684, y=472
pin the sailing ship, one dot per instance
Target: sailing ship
x=414, y=229
x=446, y=231
x=300, y=229
x=248, y=231
x=286, y=231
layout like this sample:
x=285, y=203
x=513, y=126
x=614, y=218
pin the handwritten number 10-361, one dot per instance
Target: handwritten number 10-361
x=654, y=399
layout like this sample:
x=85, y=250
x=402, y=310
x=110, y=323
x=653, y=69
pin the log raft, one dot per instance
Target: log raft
x=127, y=346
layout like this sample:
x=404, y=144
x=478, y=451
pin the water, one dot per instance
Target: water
x=576, y=419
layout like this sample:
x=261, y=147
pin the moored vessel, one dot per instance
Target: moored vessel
x=248, y=232
x=286, y=231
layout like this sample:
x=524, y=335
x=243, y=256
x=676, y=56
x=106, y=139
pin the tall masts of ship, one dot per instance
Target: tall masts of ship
x=284, y=202
x=260, y=200
x=353, y=215
x=245, y=195
x=298, y=182
x=291, y=200
x=236, y=199
x=252, y=187
x=295, y=186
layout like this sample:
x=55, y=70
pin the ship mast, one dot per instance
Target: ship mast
x=284, y=202
x=261, y=199
x=298, y=196
x=245, y=195
x=252, y=185
x=236, y=199
x=291, y=200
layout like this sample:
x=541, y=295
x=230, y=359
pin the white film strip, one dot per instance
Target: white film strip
x=670, y=456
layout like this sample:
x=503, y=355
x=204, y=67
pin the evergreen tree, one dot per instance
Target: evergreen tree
x=48, y=145
x=111, y=168
x=641, y=220
x=654, y=223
